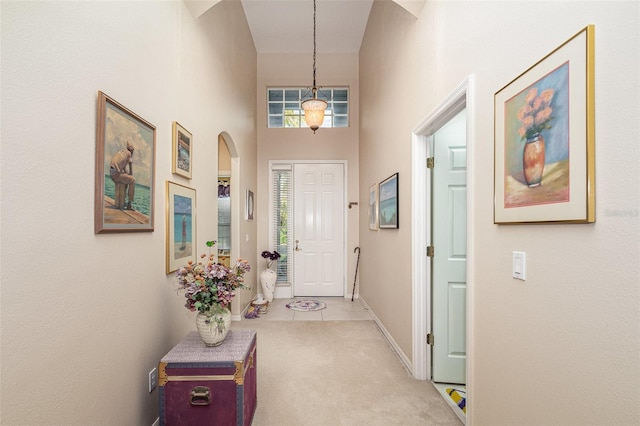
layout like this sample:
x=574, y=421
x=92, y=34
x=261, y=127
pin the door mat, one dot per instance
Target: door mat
x=306, y=305
x=459, y=397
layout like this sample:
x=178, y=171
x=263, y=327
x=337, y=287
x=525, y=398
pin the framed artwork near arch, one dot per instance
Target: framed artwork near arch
x=182, y=153
x=249, y=205
x=181, y=225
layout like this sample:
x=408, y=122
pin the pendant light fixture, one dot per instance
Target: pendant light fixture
x=314, y=107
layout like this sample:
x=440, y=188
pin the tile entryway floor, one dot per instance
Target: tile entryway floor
x=338, y=309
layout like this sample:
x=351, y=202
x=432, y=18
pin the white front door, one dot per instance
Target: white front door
x=449, y=280
x=318, y=268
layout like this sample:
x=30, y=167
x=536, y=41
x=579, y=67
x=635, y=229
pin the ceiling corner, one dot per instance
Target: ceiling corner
x=199, y=7
x=412, y=6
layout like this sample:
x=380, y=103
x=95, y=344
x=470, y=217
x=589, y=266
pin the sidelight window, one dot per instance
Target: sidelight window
x=282, y=218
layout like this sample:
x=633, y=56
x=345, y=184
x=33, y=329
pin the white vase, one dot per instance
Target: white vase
x=268, y=282
x=213, y=326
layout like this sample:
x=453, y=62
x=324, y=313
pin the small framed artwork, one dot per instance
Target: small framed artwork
x=248, y=214
x=373, y=207
x=181, y=225
x=182, y=151
x=125, y=169
x=388, y=209
x=545, y=139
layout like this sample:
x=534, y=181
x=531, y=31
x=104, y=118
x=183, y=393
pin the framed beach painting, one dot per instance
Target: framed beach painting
x=545, y=139
x=125, y=169
x=181, y=163
x=181, y=225
x=388, y=208
x=373, y=207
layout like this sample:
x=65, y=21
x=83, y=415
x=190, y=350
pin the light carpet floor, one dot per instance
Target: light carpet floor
x=337, y=373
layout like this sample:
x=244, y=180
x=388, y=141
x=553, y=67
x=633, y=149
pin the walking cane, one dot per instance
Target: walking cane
x=356, y=276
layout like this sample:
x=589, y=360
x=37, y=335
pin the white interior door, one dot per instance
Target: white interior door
x=318, y=268
x=449, y=231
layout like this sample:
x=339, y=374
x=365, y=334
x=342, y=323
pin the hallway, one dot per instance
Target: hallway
x=337, y=309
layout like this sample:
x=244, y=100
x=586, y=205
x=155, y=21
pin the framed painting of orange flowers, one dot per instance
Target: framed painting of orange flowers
x=544, y=149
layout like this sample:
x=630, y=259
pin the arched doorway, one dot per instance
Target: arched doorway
x=229, y=202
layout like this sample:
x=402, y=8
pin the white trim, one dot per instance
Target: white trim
x=394, y=345
x=421, y=298
x=461, y=97
x=283, y=291
x=239, y=317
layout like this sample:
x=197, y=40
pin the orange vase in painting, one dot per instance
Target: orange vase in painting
x=533, y=160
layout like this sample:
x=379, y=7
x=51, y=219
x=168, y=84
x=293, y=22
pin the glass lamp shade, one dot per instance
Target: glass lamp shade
x=314, y=112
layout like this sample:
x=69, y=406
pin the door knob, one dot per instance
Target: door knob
x=297, y=248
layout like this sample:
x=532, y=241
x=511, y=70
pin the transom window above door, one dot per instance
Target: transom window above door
x=284, y=108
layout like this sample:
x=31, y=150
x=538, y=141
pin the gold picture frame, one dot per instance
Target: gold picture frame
x=544, y=124
x=388, y=214
x=373, y=207
x=181, y=225
x=182, y=153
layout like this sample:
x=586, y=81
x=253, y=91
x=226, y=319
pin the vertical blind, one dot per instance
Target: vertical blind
x=282, y=217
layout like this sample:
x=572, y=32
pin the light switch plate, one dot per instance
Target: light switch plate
x=153, y=379
x=519, y=265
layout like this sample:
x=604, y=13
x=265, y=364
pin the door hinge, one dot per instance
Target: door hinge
x=430, y=251
x=430, y=339
x=430, y=163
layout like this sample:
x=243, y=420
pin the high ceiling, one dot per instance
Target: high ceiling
x=286, y=26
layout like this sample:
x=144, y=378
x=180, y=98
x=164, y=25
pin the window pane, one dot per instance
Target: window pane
x=292, y=95
x=275, y=95
x=281, y=227
x=275, y=109
x=340, y=108
x=276, y=121
x=292, y=121
x=290, y=106
x=324, y=94
x=340, y=121
x=305, y=94
x=340, y=95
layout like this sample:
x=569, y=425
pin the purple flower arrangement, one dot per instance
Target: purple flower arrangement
x=209, y=284
x=270, y=257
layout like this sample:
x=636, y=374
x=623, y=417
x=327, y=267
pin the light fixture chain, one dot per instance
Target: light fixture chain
x=313, y=107
x=314, y=44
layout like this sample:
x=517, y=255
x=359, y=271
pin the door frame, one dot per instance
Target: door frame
x=236, y=311
x=286, y=291
x=461, y=97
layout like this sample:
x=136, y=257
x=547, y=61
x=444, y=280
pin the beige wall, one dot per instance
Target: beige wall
x=396, y=83
x=560, y=347
x=302, y=144
x=85, y=317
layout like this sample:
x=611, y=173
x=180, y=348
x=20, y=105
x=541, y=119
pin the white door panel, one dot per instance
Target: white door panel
x=449, y=280
x=318, y=230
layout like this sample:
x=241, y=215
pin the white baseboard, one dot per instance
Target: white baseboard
x=401, y=355
x=237, y=317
